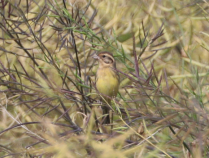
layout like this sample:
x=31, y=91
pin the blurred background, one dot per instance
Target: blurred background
x=47, y=78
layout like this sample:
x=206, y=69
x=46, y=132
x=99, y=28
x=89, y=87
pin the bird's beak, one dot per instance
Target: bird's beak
x=95, y=56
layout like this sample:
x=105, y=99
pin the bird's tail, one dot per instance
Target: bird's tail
x=106, y=118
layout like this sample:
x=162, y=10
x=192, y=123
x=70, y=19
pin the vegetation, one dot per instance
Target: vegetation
x=47, y=78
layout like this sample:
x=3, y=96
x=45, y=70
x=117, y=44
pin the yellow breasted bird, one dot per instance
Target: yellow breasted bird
x=107, y=80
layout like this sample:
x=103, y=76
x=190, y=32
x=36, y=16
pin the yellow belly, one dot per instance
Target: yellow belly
x=107, y=82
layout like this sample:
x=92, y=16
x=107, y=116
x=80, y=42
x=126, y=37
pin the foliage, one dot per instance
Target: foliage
x=47, y=81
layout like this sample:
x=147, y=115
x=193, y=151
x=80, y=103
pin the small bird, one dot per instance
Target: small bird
x=107, y=80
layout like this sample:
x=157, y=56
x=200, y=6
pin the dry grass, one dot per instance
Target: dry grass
x=47, y=78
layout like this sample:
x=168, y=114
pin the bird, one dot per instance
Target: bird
x=107, y=80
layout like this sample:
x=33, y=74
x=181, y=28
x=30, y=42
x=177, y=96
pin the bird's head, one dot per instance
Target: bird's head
x=105, y=59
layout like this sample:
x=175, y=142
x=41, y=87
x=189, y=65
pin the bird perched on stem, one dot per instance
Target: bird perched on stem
x=107, y=80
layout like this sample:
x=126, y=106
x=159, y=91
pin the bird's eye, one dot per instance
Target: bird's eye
x=103, y=56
